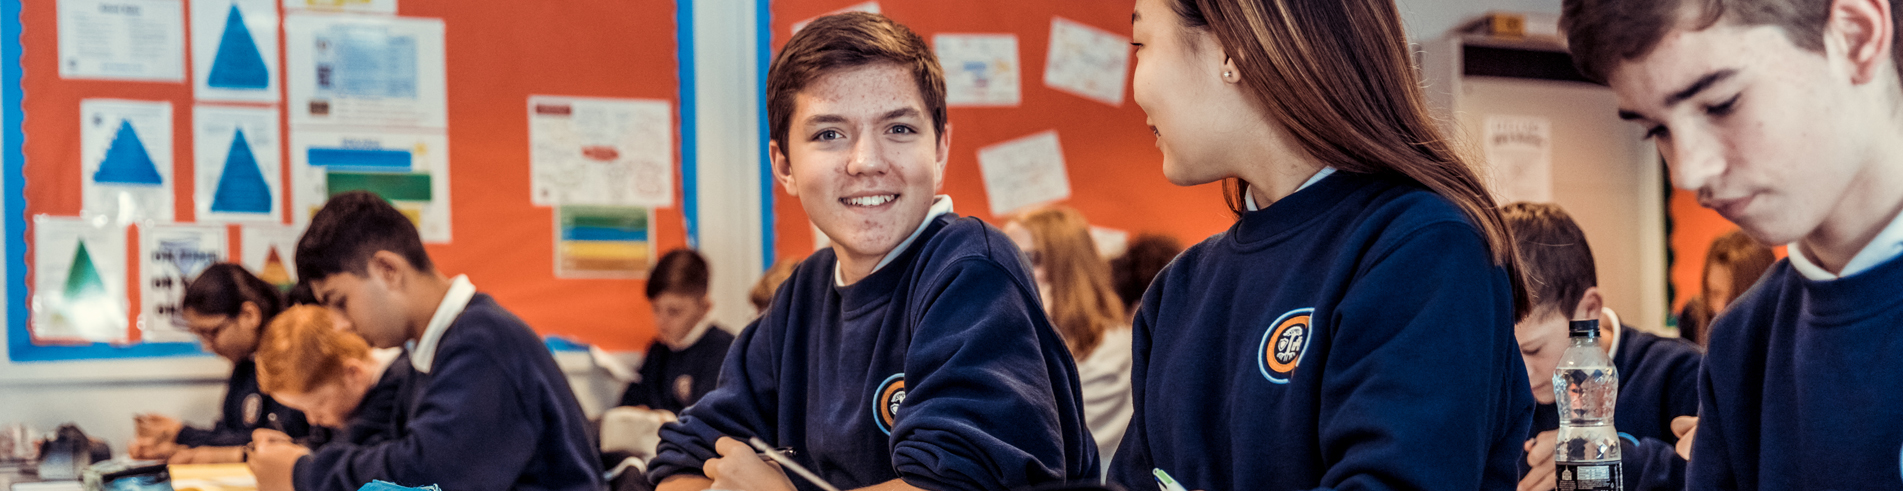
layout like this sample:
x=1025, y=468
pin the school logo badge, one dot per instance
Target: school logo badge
x=684, y=389
x=1284, y=344
x=886, y=401
x=253, y=408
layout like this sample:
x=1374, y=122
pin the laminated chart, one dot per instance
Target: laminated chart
x=234, y=50
x=79, y=281
x=126, y=156
x=356, y=6
x=170, y=257
x=597, y=151
x=603, y=241
x=409, y=170
x=239, y=175
x=980, y=69
x=268, y=252
x=362, y=70
x=132, y=40
x=1087, y=61
x=1024, y=172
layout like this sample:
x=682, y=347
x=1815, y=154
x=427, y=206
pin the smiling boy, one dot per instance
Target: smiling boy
x=1784, y=116
x=913, y=353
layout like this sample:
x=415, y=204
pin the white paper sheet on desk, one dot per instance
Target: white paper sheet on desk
x=420, y=154
x=79, y=280
x=126, y=159
x=355, y=6
x=235, y=50
x=170, y=257
x=1024, y=172
x=365, y=70
x=239, y=173
x=139, y=40
x=980, y=69
x=870, y=7
x=1087, y=61
x=600, y=151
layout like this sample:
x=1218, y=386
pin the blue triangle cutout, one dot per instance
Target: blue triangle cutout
x=126, y=161
x=238, y=65
x=241, y=188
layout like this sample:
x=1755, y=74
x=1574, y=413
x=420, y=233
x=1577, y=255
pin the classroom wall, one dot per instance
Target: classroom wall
x=1429, y=19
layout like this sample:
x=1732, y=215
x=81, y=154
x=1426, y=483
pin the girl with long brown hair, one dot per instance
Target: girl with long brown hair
x=1074, y=283
x=1354, y=328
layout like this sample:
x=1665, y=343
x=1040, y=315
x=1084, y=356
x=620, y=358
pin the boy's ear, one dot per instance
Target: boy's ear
x=1864, y=30
x=782, y=167
x=942, y=155
x=1589, y=304
x=390, y=268
x=250, y=314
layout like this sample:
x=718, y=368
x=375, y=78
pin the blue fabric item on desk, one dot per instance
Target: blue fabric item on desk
x=380, y=485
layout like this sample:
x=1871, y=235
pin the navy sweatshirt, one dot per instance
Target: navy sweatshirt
x=245, y=408
x=1800, y=385
x=494, y=413
x=674, y=380
x=379, y=416
x=939, y=368
x=1354, y=335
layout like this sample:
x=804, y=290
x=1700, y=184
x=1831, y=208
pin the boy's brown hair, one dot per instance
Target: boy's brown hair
x=1605, y=33
x=850, y=40
x=1553, y=250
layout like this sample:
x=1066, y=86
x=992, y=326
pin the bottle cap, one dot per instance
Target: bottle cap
x=1584, y=329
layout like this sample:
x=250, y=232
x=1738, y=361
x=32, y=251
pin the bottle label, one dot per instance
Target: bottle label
x=1605, y=476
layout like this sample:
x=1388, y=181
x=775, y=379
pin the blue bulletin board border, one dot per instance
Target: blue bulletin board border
x=763, y=40
x=690, y=119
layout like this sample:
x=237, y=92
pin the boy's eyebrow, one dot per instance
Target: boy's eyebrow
x=1135, y=16
x=899, y=113
x=889, y=115
x=1699, y=85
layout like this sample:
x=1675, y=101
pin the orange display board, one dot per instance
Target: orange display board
x=1693, y=230
x=1113, y=166
x=498, y=54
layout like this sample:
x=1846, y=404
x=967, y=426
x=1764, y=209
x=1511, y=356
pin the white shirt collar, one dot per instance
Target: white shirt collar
x=1250, y=193
x=460, y=291
x=1887, y=245
x=693, y=336
x=1607, y=316
x=941, y=204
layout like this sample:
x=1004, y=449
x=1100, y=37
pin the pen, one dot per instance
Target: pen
x=1165, y=482
x=790, y=465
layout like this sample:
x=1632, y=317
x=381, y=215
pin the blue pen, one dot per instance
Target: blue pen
x=1165, y=482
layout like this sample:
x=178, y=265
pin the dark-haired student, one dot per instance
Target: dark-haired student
x=493, y=411
x=1783, y=116
x=683, y=362
x=1354, y=328
x=912, y=354
x=1658, y=376
x=226, y=307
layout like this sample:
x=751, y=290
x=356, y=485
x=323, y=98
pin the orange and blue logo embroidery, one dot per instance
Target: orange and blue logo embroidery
x=1284, y=344
x=886, y=401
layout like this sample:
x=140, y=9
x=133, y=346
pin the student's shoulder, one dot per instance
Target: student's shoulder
x=485, y=325
x=967, y=239
x=1743, y=331
x=1656, y=349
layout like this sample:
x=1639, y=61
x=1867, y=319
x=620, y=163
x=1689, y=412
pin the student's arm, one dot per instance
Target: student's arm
x=1710, y=465
x=1421, y=362
x=742, y=406
x=471, y=432
x=982, y=389
x=1652, y=465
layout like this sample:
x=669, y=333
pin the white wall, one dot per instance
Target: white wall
x=1429, y=19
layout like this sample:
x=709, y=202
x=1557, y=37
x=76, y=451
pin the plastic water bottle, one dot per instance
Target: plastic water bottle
x=1586, y=386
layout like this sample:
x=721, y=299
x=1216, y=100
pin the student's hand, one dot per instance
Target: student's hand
x=272, y=457
x=144, y=448
x=685, y=482
x=738, y=467
x=1685, y=427
x=1539, y=455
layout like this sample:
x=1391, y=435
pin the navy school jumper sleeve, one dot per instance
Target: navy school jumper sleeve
x=1355, y=335
x=939, y=369
x=493, y=413
x=245, y=408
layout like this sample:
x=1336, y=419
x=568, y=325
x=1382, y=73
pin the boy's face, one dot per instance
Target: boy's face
x=1768, y=134
x=367, y=305
x=331, y=403
x=1543, y=338
x=675, y=314
x=861, y=157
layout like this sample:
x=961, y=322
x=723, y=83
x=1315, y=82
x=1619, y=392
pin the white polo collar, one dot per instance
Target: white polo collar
x=1887, y=245
x=694, y=335
x=460, y=292
x=1249, y=194
x=941, y=204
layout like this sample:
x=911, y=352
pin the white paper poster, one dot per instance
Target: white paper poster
x=170, y=257
x=1111, y=243
x=593, y=151
x=142, y=40
x=1024, y=172
x=79, y=280
x=126, y=159
x=1087, y=61
x=354, y=6
x=980, y=69
x=872, y=7
x=269, y=251
x=235, y=50
x=365, y=70
x=1519, y=152
x=239, y=173
x=411, y=170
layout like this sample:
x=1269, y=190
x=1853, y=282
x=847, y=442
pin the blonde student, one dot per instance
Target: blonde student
x=1354, y=328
